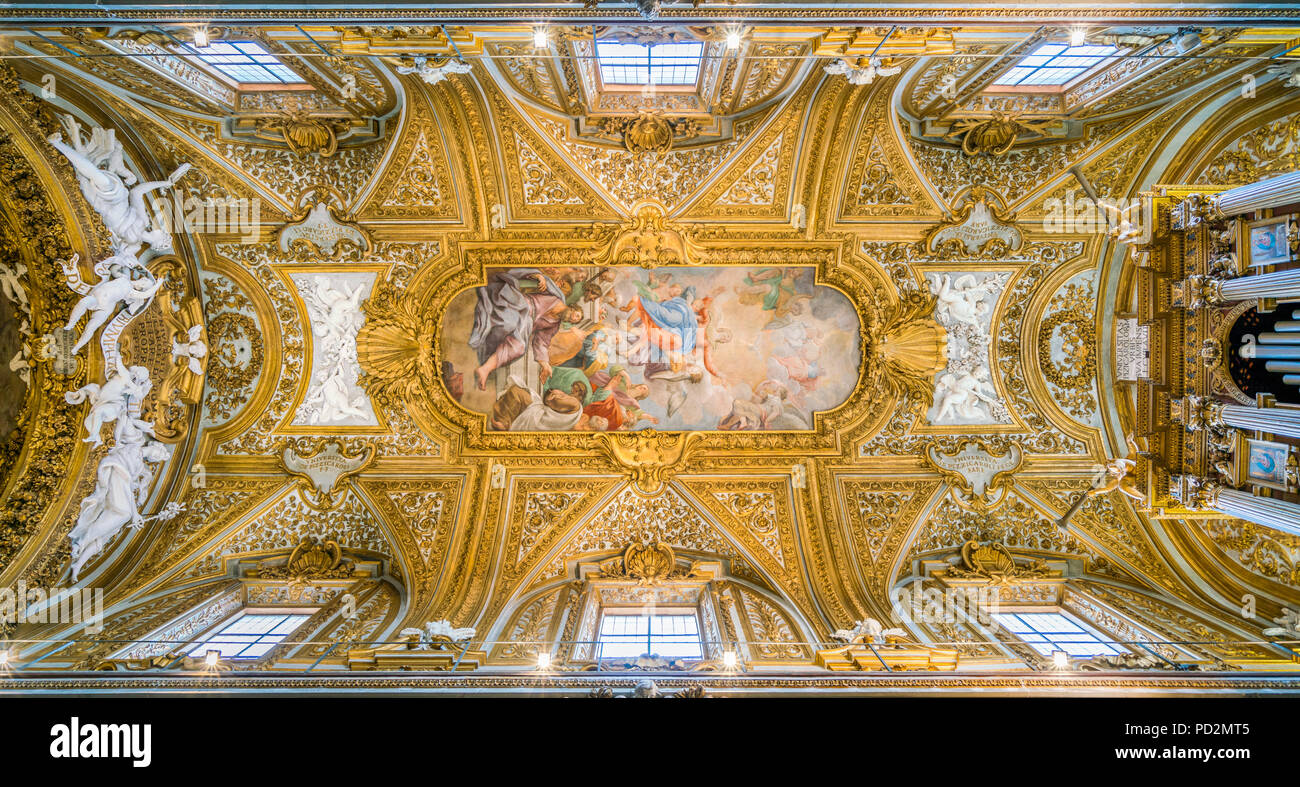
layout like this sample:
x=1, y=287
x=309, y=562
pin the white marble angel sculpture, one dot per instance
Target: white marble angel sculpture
x=1122, y=228
x=111, y=188
x=335, y=312
x=868, y=630
x=432, y=74
x=331, y=402
x=112, y=400
x=864, y=73
x=436, y=635
x=21, y=363
x=1115, y=475
x=962, y=393
x=962, y=300
x=11, y=286
x=122, y=483
x=116, y=287
x=194, y=349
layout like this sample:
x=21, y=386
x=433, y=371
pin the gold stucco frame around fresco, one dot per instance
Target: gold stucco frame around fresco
x=862, y=282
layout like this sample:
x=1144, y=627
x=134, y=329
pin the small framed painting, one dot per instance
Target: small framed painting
x=1266, y=463
x=1267, y=240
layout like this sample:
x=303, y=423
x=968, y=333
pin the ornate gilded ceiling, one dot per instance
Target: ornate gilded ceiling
x=843, y=308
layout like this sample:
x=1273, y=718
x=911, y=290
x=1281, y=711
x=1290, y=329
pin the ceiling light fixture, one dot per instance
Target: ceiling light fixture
x=733, y=38
x=543, y=660
x=729, y=659
x=201, y=36
x=4, y=658
x=211, y=658
x=1078, y=36
x=541, y=37
x=1060, y=659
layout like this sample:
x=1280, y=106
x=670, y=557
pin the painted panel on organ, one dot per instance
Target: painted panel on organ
x=603, y=349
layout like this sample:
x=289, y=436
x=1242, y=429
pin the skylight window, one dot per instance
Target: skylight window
x=1046, y=632
x=247, y=62
x=670, y=636
x=1055, y=64
x=653, y=64
x=248, y=636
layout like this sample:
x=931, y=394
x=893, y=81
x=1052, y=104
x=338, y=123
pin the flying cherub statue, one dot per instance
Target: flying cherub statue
x=117, y=287
x=112, y=400
x=962, y=300
x=864, y=71
x=868, y=630
x=1122, y=229
x=335, y=312
x=111, y=188
x=1116, y=475
x=962, y=393
x=193, y=349
x=432, y=74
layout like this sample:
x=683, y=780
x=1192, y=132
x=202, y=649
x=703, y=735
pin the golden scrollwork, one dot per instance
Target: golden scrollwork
x=649, y=457
x=996, y=135
x=311, y=559
x=978, y=470
x=996, y=564
x=647, y=240
x=648, y=564
x=528, y=161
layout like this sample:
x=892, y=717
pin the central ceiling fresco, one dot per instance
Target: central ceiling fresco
x=601, y=349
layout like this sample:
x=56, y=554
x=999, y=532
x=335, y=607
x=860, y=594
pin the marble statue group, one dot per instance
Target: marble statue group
x=125, y=289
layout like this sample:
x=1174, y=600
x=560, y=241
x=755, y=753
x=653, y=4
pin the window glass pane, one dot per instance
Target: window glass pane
x=640, y=64
x=1046, y=632
x=670, y=636
x=248, y=635
x=1055, y=64
x=247, y=62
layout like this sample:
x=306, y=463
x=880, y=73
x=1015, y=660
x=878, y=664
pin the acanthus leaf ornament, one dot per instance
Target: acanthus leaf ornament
x=996, y=135
x=647, y=240
x=648, y=564
x=649, y=457
x=995, y=564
